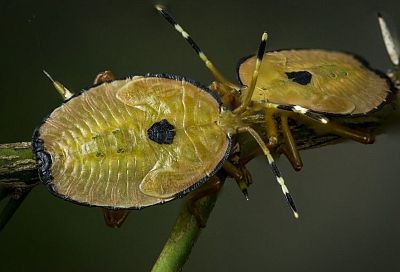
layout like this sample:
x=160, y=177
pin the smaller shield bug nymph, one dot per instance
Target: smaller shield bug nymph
x=304, y=85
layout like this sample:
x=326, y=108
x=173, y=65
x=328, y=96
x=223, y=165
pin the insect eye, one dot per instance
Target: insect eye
x=300, y=77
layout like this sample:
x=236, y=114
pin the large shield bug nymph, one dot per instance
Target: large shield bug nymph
x=137, y=142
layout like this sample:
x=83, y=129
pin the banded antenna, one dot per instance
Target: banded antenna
x=392, y=47
x=215, y=72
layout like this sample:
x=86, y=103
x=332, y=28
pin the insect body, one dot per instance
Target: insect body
x=315, y=84
x=137, y=142
x=132, y=143
x=319, y=80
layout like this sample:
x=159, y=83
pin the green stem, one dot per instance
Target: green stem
x=18, y=175
x=17, y=164
x=183, y=236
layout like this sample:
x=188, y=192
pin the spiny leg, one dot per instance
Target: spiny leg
x=290, y=149
x=273, y=166
x=216, y=73
x=249, y=93
x=62, y=90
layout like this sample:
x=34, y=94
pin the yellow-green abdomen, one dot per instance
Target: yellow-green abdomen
x=133, y=143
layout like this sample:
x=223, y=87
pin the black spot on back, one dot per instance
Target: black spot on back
x=162, y=132
x=300, y=77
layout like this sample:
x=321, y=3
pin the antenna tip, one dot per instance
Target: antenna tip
x=48, y=75
x=246, y=194
x=264, y=36
x=158, y=7
x=379, y=15
x=296, y=215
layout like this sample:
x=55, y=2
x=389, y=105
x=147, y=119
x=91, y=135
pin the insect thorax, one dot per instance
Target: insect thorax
x=231, y=122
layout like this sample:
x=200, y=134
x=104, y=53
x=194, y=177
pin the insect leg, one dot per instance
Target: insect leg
x=216, y=73
x=271, y=127
x=290, y=149
x=114, y=218
x=229, y=97
x=358, y=136
x=299, y=109
x=102, y=77
x=249, y=93
x=273, y=166
x=62, y=90
x=240, y=175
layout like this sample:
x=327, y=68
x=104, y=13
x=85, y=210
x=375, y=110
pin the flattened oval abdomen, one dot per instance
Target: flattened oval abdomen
x=102, y=152
x=320, y=80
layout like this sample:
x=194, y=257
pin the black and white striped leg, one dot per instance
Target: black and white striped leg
x=216, y=73
x=250, y=90
x=299, y=109
x=274, y=168
x=61, y=89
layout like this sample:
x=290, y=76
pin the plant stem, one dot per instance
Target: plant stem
x=184, y=235
x=17, y=164
x=18, y=175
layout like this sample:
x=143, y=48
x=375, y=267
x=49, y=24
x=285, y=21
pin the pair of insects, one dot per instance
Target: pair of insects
x=146, y=140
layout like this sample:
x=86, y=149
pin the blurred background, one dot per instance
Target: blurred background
x=347, y=194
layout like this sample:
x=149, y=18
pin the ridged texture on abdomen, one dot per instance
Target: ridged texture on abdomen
x=101, y=152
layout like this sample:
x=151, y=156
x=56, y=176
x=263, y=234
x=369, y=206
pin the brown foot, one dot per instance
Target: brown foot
x=240, y=174
x=104, y=77
x=115, y=218
x=290, y=149
x=358, y=136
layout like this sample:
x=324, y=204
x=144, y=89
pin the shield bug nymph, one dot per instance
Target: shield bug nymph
x=140, y=141
x=312, y=86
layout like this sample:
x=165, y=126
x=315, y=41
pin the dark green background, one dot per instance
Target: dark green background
x=347, y=194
